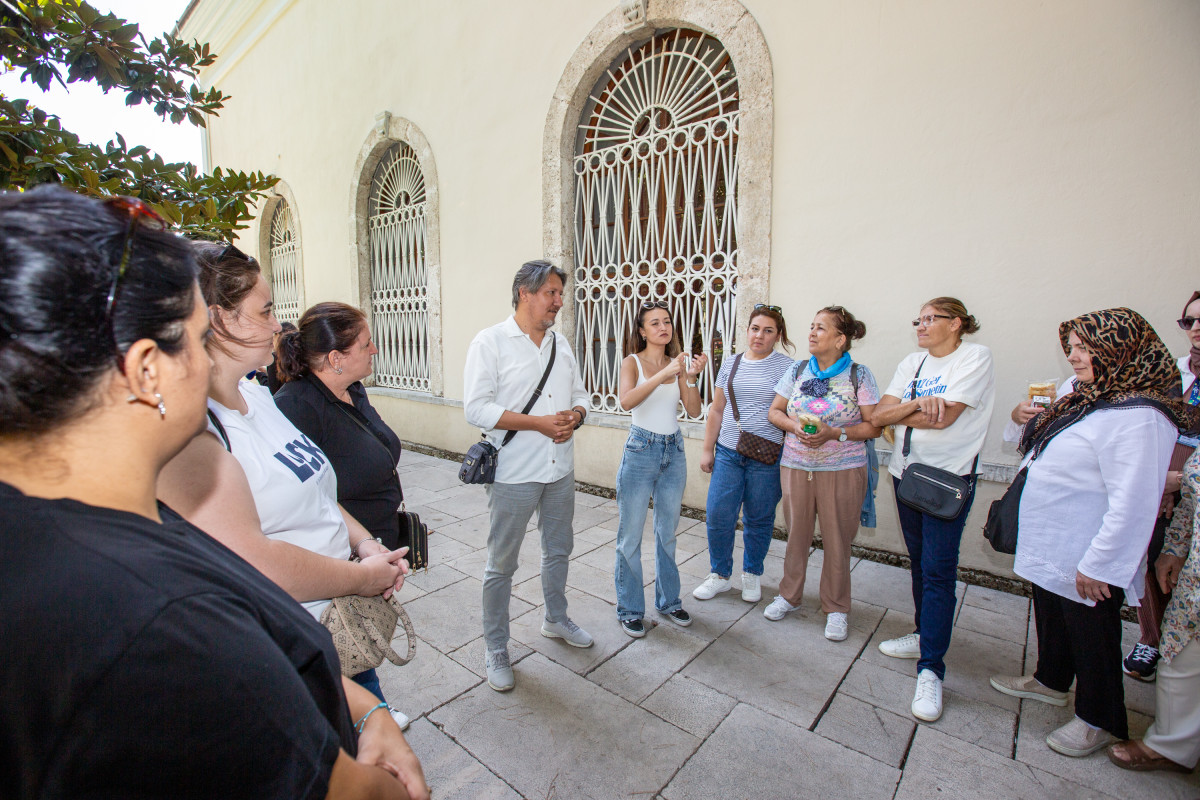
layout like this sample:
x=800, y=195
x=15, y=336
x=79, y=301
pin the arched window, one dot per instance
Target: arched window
x=396, y=226
x=283, y=263
x=656, y=203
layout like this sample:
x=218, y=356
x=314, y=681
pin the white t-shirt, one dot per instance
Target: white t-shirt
x=965, y=376
x=294, y=486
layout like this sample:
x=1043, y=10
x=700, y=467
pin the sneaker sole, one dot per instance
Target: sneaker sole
x=1073, y=753
x=508, y=688
x=925, y=718
x=707, y=596
x=1139, y=677
x=753, y=598
x=550, y=635
x=633, y=634
x=899, y=655
x=835, y=638
x=1041, y=698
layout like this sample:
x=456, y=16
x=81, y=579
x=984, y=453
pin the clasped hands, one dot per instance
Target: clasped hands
x=559, y=426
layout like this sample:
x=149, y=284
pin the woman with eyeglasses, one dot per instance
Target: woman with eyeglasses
x=824, y=402
x=940, y=401
x=179, y=669
x=655, y=379
x=274, y=502
x=742, y=484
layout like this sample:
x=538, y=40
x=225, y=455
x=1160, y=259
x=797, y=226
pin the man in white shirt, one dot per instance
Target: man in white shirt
x=536, y=470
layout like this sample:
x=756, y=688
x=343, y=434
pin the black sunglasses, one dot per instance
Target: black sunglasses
x=649, y=304
x=776, y=309
x=1186, y=323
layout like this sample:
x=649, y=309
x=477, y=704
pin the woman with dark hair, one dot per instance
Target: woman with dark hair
x=824, y=403
x=653, y=465
x=740, y=484
x=275, y=501
x=273, y=381
x=184, y=665
x=940, y=401
x=1095, y=462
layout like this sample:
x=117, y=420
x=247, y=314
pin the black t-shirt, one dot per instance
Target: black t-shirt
x=366, y=471
x=144, y=660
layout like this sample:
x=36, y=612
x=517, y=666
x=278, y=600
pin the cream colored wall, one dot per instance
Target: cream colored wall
x=1038, y=160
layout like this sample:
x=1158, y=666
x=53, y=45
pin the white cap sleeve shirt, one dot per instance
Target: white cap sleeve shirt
x=294, y=486
x=965, y=376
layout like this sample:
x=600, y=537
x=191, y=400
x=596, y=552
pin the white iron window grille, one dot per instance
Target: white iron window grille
x=656, y=204
x=284, y=257
x=399, y=282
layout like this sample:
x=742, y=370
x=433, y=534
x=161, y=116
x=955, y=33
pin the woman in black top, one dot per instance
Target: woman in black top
x=142, y=657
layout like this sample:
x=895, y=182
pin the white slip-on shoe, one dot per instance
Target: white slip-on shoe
x=1028, y=688
x=1078, y=739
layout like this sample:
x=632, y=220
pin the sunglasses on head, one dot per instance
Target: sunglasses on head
x=230, y=250
x=136, y=213
x=649, y=304
x=1186, y=323
x=776, y=309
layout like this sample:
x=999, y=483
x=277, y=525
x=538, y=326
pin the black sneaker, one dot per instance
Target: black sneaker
x=679, y=617
x=633, y=627
x=1142, y=663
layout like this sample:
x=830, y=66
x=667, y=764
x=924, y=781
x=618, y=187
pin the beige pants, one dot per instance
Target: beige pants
x=836, y=497
x=1175, y=732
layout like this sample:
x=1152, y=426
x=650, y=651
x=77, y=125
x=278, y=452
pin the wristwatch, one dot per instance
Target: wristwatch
x=843, y=437
x=579, y=424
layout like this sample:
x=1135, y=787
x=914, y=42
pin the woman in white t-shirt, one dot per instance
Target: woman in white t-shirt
x=274, y=502
x=940, y=401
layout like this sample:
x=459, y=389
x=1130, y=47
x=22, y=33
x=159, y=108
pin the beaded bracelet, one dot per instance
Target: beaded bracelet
x=358, y=726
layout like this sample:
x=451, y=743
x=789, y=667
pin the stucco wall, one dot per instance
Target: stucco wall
x=1038, y=160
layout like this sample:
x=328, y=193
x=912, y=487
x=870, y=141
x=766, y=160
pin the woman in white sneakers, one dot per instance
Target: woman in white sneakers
x=824, y=403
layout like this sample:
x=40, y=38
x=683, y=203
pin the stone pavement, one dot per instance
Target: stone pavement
x=734, y=706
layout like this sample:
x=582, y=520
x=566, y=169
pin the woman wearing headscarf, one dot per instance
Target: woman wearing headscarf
x=1096, y=462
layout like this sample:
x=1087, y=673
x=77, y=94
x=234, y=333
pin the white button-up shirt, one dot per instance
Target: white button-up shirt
x=503, y=368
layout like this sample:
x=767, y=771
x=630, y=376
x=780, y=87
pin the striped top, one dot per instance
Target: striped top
x=754, y=386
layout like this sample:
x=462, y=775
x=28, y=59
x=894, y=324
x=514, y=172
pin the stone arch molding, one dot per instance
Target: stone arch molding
x=280, y=192
x=733, y=25
x=387, y=131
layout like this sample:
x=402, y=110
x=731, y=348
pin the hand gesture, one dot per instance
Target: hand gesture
x=1025, y=411
x=697, y=365
x=671, y=370
x=558, y=426
x=567, y=418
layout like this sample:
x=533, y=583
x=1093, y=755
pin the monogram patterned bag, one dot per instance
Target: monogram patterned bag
x=362, y=630
x=751, y=445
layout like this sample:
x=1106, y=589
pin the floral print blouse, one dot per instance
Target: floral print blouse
x=1181, y=620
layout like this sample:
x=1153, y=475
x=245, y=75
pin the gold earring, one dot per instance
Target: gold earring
x=162, y=407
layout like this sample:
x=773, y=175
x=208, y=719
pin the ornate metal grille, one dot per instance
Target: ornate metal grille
x=656, y=204
x=284, y=257
x=399, y=307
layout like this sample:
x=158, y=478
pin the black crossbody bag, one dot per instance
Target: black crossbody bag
x=937, y=492
x=479, y=464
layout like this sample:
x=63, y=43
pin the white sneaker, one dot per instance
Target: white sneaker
x=751, y=591
x=568, y=631
x=713, y=585
x=836, y=627
x=401, y=718
x=907, y=646
x=927, y=702
x=778, y=608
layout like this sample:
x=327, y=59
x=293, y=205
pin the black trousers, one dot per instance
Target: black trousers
x=1082, y=643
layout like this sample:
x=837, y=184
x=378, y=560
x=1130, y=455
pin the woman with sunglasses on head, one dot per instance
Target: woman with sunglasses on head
x=188, y=673
x=274, y=502
x=940, y=401
x=742, y=484
x=824, y=402
x=1095, y=464
x=655, y=378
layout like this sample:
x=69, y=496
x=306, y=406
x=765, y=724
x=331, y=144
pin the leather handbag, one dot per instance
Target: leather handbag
x=414, y=535
x=937, y=492
x=362, y=630
x=1001, y=527
x=479, y=464
x=751, y=445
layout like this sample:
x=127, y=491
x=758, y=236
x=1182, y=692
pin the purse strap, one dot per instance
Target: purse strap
x=378, y=437
x=508, y=437
x=220, y=429
x=908, y=428
x=733, y=400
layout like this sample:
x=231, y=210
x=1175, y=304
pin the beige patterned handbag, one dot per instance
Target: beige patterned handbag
x=362, y=630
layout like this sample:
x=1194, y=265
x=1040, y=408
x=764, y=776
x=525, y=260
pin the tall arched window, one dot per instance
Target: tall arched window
x=283, y=256
x=396, y=227
x=656, y=203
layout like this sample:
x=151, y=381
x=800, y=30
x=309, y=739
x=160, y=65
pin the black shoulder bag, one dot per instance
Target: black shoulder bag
x=479, y=464
x=937, y=492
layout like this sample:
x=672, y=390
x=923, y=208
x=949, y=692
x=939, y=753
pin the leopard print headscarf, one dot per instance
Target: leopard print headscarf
x=1130, y=366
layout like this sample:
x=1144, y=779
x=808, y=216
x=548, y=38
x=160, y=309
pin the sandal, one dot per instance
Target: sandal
x=1135, y=755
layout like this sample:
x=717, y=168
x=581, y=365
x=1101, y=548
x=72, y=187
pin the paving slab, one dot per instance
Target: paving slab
x=604, y=557
x=1010, y=627
x=893, y=625
x=433, y=479
x=432, y=517
x=471, y=655
x=689, y=705
x=1000, y=602
x=943, y=766
x=647, y=663
x=453, y=773
x=882, y=585
x=424, y=683
x=548, y=737
x=471, y=531
x=711, y=618
x=979, y=723
x=447, y=550
x=867, y=729
x=463, y=502
x=589, y=500
x=591, y=517
x=593, y=535
x=595, y=616
x=593, y=580
x=451, y=616
x=755, y=755
x=529, y=560
x=971, y=661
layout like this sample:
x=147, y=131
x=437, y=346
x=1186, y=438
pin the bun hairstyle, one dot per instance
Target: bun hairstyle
x=324, y=328
x=780, y=324
x=954, y=307
x=60, y=254
x=846, y=323
x=636, y=343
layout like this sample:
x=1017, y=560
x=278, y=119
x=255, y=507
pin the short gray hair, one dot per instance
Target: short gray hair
x=532, y=276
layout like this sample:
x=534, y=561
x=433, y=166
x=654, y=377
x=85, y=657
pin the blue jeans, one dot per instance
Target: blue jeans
x=652, y=466
x=370, y=681
x=752, y=487
x=933, y=549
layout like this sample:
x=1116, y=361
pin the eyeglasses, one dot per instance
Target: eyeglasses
x=776, y=309
x=928, y=319
x=1186, y=323
x=135, y=212
x=649, y=304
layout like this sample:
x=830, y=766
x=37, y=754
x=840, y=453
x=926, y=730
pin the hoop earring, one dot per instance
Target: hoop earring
x=162, y=407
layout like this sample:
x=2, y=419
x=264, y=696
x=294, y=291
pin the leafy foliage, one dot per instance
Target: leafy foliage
x=67, y=41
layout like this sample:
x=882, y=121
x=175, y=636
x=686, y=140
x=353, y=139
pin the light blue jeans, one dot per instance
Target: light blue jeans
x=751, y=487
x=652, y=466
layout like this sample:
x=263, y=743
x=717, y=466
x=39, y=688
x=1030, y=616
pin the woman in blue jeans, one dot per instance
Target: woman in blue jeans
x=653, y=465
x=741, y=484
x=944, y=396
